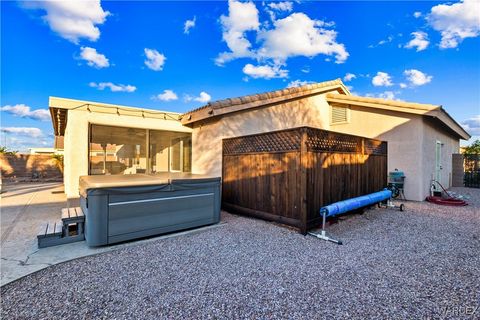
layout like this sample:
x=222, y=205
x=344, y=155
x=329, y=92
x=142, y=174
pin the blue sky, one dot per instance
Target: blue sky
x=179, y=55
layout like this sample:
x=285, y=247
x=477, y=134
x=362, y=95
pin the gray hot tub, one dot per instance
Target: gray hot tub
x=124, y=207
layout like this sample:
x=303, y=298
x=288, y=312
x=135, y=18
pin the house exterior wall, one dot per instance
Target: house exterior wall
x=402, y=131
x=407, y=134
x=431, y=134
x=207, y=139
x=76, y=139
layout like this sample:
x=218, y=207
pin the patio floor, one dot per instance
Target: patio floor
x=421, y=263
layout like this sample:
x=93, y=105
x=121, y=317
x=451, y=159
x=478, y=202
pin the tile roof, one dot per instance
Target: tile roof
x=385, y=102
x=270, y=97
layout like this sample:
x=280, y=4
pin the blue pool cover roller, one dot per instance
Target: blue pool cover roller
x=355, y=203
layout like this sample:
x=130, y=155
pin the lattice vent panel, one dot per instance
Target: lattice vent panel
x=282, y=141
x=319, y=140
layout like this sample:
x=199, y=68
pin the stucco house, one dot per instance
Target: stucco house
x=103, y=138
x=111, y=139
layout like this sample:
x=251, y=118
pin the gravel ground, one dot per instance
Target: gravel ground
x=421, y=263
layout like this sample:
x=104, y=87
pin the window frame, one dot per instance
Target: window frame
x=146, y=144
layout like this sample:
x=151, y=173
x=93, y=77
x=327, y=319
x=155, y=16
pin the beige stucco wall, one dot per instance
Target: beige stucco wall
x=431, y=134
x=402, y=131
x=406, y=135
x=76, y=139
x=207, y=139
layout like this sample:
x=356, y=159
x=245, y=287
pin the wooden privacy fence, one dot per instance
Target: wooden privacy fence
x=286, y=176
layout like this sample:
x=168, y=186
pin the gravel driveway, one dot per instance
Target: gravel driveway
x=420, y=263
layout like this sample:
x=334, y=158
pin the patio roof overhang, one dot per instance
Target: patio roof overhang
x=59, y=108
x=59, y=120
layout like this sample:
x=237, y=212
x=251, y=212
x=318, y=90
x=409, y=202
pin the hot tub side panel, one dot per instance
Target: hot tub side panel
x=121, y=214
x=95, y=208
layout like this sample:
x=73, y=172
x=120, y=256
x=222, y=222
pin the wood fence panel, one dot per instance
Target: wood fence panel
x=290, y=186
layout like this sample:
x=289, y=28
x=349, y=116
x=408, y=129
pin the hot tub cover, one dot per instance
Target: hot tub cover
x=131, y=180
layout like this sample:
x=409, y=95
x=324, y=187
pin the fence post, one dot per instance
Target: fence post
x=303, y=180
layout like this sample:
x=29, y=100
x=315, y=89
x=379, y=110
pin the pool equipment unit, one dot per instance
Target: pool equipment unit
x=382, y=198
x=396, y=183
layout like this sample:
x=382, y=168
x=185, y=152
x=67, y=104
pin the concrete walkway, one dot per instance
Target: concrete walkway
x=24, y=207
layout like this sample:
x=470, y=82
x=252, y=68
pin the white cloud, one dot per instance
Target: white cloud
x=203, y=97
x=349, y=77
x=167, y=95
x=382, y=42
x=23, y=131
x=155, y=60
x=22, y=138
x=281, y=6
x=417, y=78
x=419, y=41
x=24, y=111
x=93, y=58
x=298, y=83
x=306, y=37
x=273, y=8
x=242, y=17
x=417, y=14
x=403, y=85
x=189, y=24
x=113, y=87
x=72, y=20
x=265, y=71
x=456, y=22
x=472, y=125
x=387, y=95
x=382, y=79
x=351, y=89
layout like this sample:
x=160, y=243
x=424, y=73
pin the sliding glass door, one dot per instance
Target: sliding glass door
x=119, y=150
x=170, y=151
